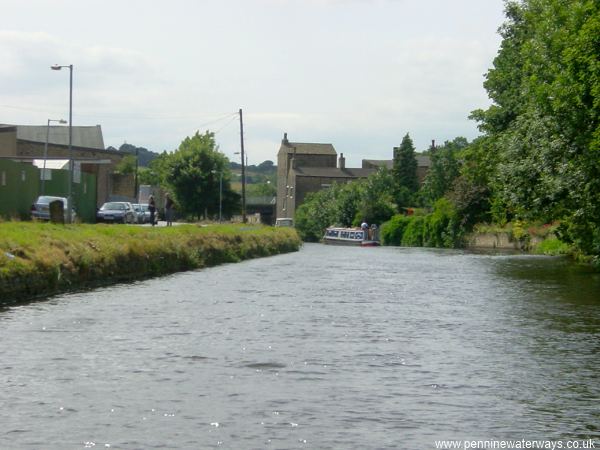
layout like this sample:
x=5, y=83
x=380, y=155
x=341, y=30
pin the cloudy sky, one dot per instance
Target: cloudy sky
x=359, y=74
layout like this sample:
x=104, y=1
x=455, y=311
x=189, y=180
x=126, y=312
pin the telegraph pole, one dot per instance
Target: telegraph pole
x=243, y=168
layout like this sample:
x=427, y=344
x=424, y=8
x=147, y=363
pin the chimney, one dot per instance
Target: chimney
x=285, y=141
x=342, y=161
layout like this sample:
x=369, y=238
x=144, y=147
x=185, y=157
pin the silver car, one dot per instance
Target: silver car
x=41, y=207
x=116, y=212
x=140, y=214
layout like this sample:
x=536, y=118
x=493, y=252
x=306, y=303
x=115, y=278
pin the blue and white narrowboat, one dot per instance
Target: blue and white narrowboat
x=348, y=236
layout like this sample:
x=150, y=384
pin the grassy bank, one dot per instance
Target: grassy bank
x=38, y=259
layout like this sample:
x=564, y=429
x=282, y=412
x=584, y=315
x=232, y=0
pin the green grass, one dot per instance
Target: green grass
x=42, y=258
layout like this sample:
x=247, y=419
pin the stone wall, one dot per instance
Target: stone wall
x=123, y=185
x=502, y=241
x=492, y=240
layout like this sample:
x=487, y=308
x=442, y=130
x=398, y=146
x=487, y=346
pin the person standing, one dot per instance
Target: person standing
x=152, y=209
x=169, y=210
x=365, y=229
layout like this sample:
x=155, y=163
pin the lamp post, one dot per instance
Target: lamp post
x=220, y=193
x=70, y=193
x=46, y=151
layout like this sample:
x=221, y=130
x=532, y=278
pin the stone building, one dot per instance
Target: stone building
x=27, y=142
x=423, y=165
x=309, y=167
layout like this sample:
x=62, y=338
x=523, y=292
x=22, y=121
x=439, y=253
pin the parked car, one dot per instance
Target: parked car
x=116, y=212
x=41, y=207
x=139, y=212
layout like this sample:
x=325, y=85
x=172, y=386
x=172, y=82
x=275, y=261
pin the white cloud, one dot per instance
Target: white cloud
x=356, y=73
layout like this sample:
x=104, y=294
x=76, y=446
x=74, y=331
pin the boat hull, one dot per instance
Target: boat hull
x=352, y=243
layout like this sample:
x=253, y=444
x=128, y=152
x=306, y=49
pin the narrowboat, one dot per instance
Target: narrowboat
x=349, y=236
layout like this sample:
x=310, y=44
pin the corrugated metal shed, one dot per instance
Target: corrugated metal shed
x=86, y=137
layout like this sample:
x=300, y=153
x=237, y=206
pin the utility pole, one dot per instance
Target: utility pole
x=243, y=168
x=136, y=189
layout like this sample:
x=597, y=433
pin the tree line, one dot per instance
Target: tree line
x=537, y=160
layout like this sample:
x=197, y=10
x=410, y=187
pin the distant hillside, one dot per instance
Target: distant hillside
x=265, y=167
x=144, y=155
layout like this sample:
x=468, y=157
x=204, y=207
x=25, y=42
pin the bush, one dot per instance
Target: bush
x=553, y=246
x=413, y=235
x=442, y=227
x=393, y=230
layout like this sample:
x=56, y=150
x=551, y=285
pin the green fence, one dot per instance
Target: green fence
x=18, y=188
x=20, y=185
x=84, y=193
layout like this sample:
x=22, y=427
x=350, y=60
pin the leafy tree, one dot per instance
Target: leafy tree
x=126, y=165
x=377, y=200
x=405, y=171
x=265, y=189
x=316, y=213
x=192, y=175
x=444, y=169
x=154, y=174
x=543, y=130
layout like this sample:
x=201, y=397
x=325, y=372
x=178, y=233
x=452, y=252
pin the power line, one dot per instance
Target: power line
x=233, y=117
x=125, y=115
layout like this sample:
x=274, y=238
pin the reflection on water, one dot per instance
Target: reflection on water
x=331, y=347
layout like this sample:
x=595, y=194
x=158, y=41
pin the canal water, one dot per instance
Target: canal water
x=327, y=348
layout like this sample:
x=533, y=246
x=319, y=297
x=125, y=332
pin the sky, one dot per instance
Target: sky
x=358, y=74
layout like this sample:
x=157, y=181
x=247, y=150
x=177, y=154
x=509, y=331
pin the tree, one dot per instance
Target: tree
x=444, y=169
x=405, y=171
x=144, y=155
x=544, y=125
x=192, y=174
x=126, y=165
x=377, y=200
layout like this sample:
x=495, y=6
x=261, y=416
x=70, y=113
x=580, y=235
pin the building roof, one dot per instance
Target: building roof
x=422, y=161
x=306, y=148
x=333, y=172
x=84, y=136
x=389, y=163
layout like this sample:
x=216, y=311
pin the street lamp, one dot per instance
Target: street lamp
x=70, y=194
x=220, y=192
x=46, y=151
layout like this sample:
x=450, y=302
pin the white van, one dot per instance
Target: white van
x=284, y=222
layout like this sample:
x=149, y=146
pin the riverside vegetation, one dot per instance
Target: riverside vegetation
x=39, y=259
x=533, y=173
